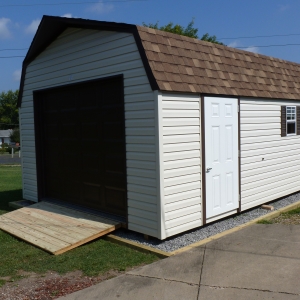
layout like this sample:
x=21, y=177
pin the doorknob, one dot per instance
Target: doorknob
x=208, y=169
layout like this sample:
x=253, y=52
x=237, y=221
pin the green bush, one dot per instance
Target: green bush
x=15, y=135
x=9, y=149
x=3, y=148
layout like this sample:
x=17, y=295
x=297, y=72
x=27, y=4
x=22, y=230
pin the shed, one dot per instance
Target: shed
x=166, y=131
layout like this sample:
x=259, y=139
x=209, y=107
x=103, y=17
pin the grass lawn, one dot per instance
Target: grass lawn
x=10, y=186
x=92, y=259
x=291, y=217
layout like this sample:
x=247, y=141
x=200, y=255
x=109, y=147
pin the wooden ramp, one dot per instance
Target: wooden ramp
x=55, y=228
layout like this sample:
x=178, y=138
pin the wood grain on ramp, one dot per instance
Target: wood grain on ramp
x=53, y=228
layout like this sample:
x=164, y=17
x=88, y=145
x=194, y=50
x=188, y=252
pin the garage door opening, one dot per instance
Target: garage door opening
x=80, y=144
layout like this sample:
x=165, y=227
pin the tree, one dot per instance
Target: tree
x=189, y=31
x=210, y=38
x=9, y=115
x=15, y=135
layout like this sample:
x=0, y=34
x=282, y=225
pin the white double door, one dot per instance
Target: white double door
x=221, y=155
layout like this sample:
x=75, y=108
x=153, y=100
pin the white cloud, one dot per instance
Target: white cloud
x=233, y=44
x=252, y=49
x=101, y=8
x=31, y=29
x=4, y=31
x=17, y=75
x=237, y=44
x=68, y=15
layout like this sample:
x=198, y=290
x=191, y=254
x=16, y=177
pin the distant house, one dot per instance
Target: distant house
x=4, y=136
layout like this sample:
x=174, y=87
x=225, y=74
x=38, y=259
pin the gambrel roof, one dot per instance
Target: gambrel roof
x=181, y=64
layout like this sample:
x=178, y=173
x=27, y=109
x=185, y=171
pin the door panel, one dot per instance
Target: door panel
x=221, y=155
x=216, y=192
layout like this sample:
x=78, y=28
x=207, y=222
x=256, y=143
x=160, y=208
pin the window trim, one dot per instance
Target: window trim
x=291, y=121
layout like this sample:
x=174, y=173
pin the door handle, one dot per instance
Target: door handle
x=208, y=169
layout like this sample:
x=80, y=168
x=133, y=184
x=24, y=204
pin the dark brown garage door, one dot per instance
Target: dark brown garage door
x=81, y=156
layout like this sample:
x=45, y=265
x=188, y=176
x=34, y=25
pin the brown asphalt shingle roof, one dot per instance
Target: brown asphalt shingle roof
x=183, y=64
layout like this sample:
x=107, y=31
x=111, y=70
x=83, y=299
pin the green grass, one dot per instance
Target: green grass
x=264, y=222
x=292, y=212
x=10, y=186
x=282, y=216
x=92, y=259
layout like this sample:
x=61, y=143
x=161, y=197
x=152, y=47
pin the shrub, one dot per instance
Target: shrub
x=15, y=135
x=3, y=148
x=9, y=149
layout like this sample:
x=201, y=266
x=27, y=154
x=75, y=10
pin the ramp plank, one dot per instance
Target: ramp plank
x=58, y=234
x=34, y=232
x=36, y=217
x=28, y=237
x=72, y=213
x=55, y=229
x=72, y=220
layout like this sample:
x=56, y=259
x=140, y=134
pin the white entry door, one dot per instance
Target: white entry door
x=221, y=155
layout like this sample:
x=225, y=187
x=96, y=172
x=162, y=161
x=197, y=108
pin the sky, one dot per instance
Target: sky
x=255, y=25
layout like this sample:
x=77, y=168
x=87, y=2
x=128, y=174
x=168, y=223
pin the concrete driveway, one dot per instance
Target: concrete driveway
x=258, y=262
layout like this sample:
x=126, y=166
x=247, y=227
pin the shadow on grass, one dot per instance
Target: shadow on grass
x=9, y=196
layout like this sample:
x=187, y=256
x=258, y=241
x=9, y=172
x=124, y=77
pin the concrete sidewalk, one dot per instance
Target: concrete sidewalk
x=258, y=262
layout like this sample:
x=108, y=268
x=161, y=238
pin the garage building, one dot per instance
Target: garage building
x=165, y=131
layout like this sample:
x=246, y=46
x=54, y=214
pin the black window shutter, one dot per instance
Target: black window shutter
x=298, y=119
x=283, y=120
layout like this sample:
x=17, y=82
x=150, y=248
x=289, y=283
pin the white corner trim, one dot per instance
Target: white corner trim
x=21, y=141
x=201, y=156
x=159, y=165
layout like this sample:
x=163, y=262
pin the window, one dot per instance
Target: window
x=291, y=120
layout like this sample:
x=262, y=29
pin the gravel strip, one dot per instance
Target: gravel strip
x=201, y=233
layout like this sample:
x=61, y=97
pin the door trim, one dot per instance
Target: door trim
x=203, y=161
x=239, y=151
x=203, y=148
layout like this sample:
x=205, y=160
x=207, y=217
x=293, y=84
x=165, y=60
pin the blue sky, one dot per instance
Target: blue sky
x=226, y=19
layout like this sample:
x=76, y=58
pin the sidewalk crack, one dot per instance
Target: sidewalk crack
x=199, y=285
x=161, y=278
x=248, y=289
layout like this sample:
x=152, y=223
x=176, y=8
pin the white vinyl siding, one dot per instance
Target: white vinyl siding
x=180, y=163
x=79, y=55
x=268, y=161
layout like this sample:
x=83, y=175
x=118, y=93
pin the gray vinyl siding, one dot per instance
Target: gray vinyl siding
x=80, y=55
x=181, y=163
x=269, y=162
